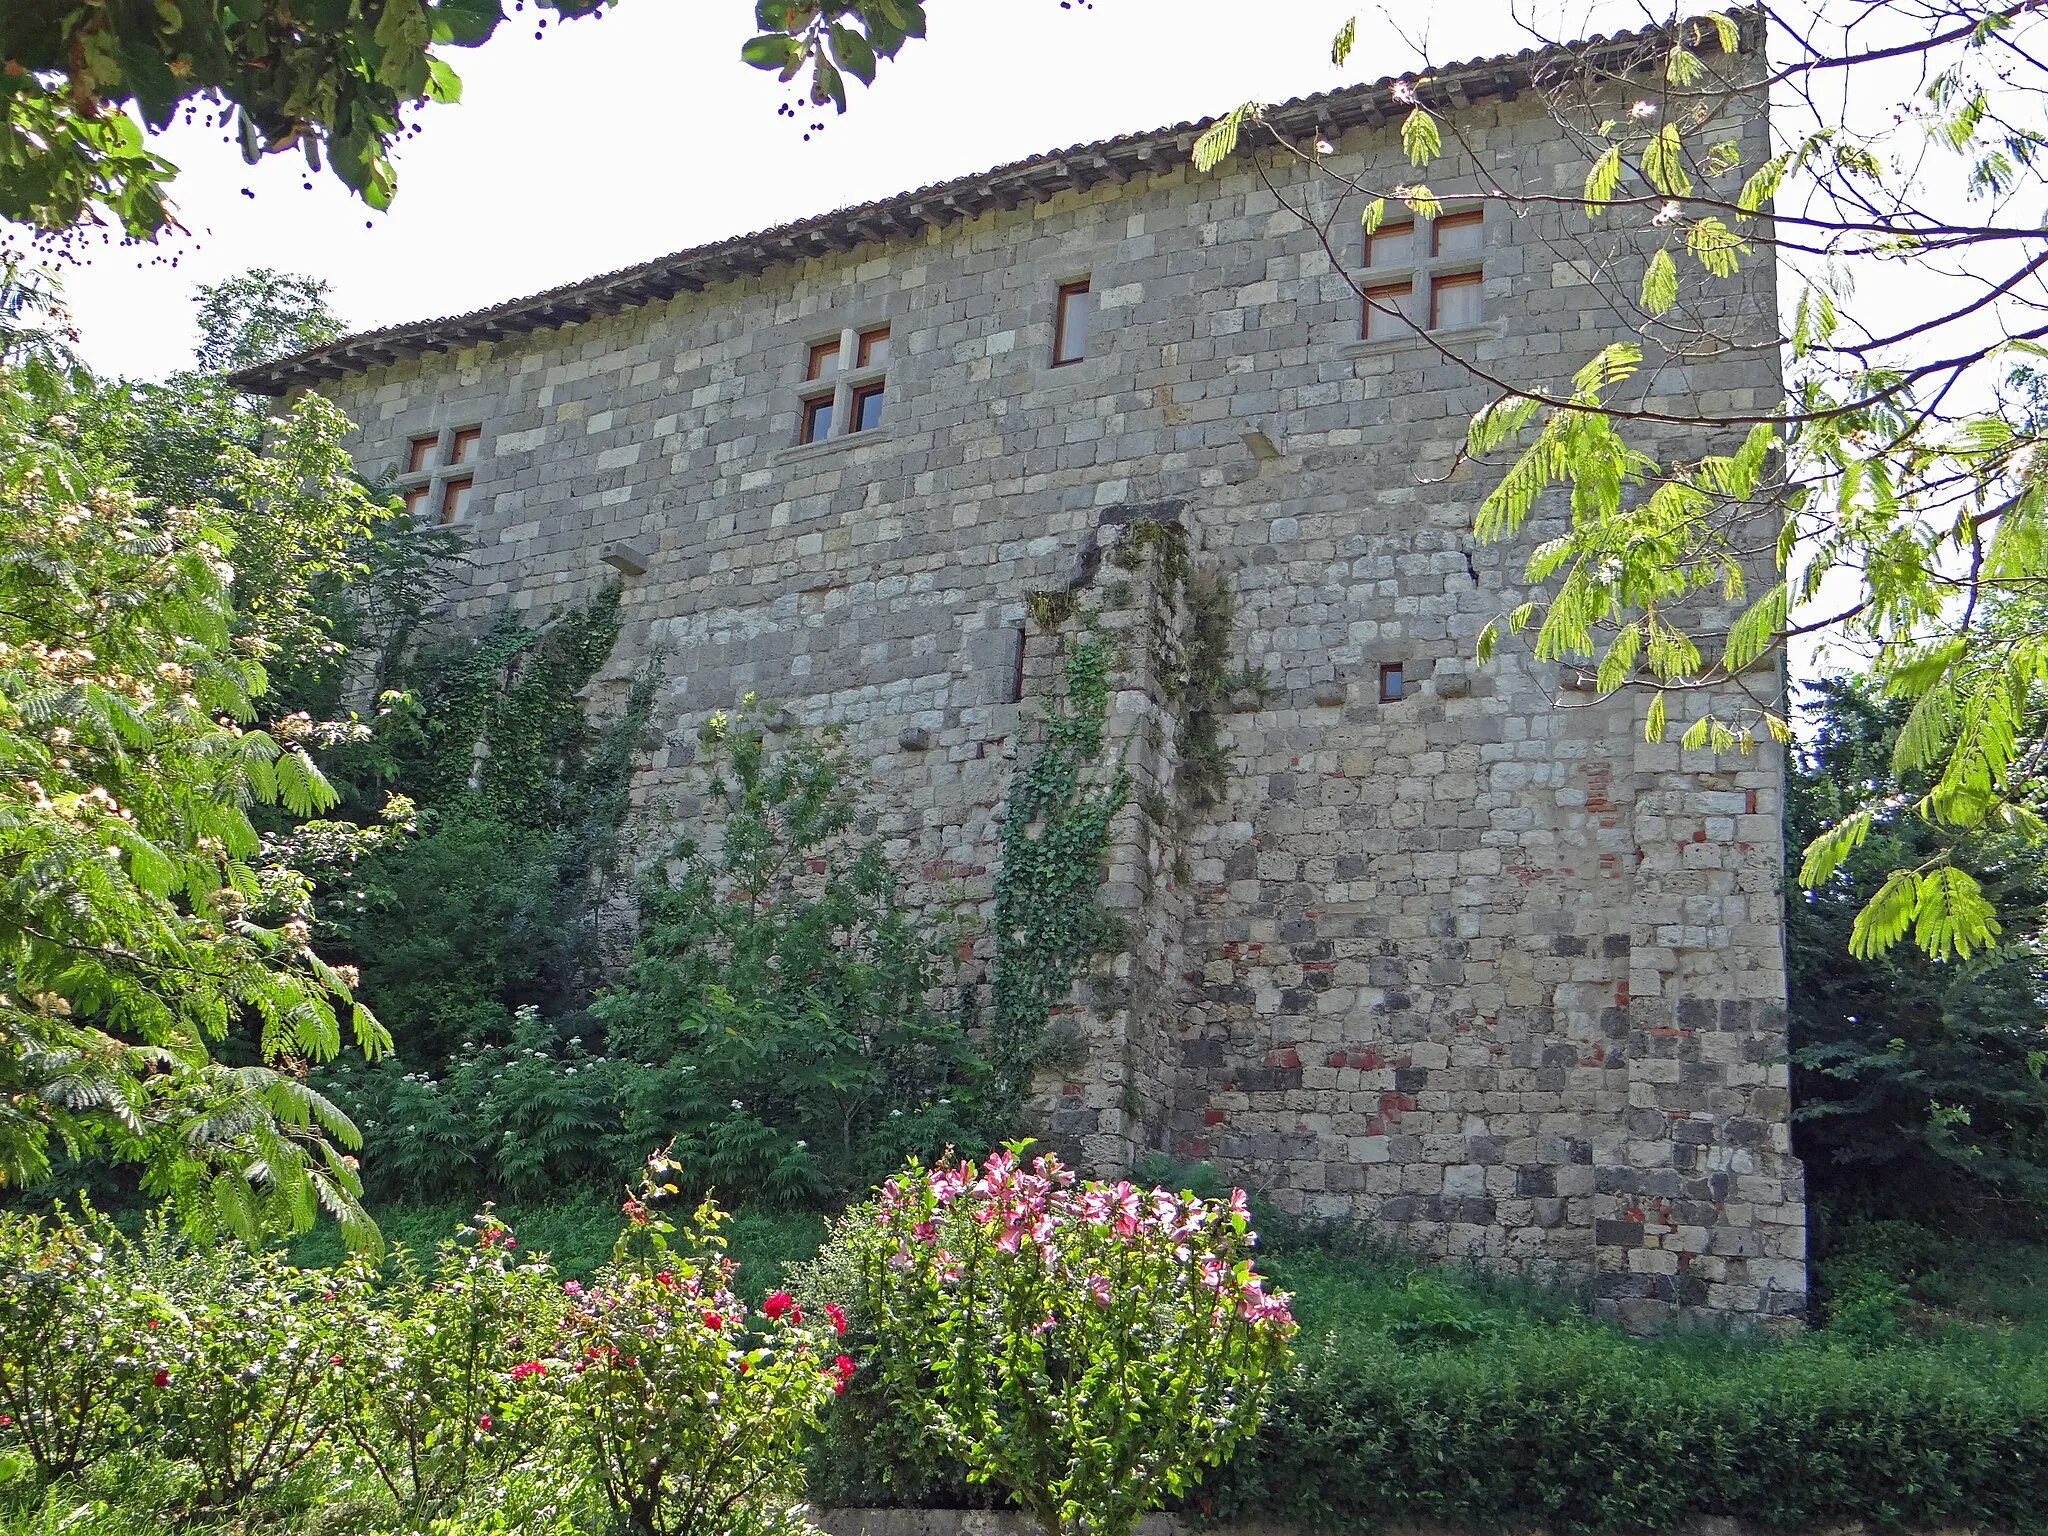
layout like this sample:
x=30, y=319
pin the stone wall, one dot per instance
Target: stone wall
x=1479, y=963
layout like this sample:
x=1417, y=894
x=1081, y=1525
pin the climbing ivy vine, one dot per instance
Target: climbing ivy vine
x=1055, y=831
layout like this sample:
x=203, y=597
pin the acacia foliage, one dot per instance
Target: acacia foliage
x=139, y=916
x=1922, y=1085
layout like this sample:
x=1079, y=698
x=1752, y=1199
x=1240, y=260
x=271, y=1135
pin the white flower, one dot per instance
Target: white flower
x=1666, y=214
x=736, y=1104
x=1325, y=147
x=1643, y=111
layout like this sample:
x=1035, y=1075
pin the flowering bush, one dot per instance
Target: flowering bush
x=1087, y=1347
x=244, y=1362
x=70, y=1317
x=447, y=1380
x=695, y=1405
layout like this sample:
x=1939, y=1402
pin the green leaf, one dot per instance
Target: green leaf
x=465, y=23
x=443, y=84
x=1653, y=720
x=1825, y=853
x=1419, y=137
x=1682, y=67
x=1886, y=916
x=772, y=51
x=1664, y=163
x=1660, y=282
x=1602, y=179
x=1375, y=212
x=1763, y=184
x=1220, y=139
x=1341, y=44
x=853, y=53
x=1729, y=35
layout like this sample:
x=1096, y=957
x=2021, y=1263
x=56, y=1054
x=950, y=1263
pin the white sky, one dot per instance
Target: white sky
x=612, y=141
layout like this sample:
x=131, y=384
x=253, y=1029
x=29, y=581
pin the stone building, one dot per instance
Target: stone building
x=1458, y=951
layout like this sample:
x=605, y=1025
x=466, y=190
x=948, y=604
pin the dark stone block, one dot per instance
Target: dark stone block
x=1410, y=1079
x=1615, y=945
x=1568, y=944
x=1535, y=1181
x=1618, y=1234
x=1401, y=1208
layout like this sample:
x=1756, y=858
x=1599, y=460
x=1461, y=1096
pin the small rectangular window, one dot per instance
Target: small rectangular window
x=1017, y=667
x=817, y=420
x=1390, y=682
x=455, y=501
x=1391, y=245
x=1385, y=309
x=865, y=413
x=1070, y=325
x=420, y=455
x=1458, y=234
x=464, y=450
x=416, y=500
x=1457, y=300
x=874, y=348
x=824, y=362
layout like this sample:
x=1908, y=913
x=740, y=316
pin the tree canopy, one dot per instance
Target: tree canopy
x=82, y=88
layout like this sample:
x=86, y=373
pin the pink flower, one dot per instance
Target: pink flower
x=778, y=1302
x=832, y=1310
x=527, y=1368
x=665, y=1280
x=483, y=1421
x=1098, y=1287
x=571, y=1288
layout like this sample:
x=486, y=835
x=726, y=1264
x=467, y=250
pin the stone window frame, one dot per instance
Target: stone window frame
x=426, y=489
x=841, y=386
x=1068, y=291
x=1416, y=279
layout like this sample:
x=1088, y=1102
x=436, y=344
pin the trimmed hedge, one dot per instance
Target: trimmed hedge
x=1579, y=1430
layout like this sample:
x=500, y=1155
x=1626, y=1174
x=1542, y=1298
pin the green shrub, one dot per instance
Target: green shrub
x=72, y=1319
x=695, y=1407
x=443, y=1385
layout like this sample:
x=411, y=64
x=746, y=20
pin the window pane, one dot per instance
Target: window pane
x=1460, y=234
x=1399, y=297
x=455, y=501
x=867, y=410
x=1391, y=245
x=1390, y=682
x=1073, y=325
x=824, y=360
x=465, y=446
x=874, y=349
x=817, y=421
x=1458, y=301
x=416, y=501
x=420, y=454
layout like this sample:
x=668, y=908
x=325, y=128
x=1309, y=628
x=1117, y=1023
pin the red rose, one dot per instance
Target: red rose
x=713, y=1320
x=838, y=1317
x=161, y=1378
x=777, y=1303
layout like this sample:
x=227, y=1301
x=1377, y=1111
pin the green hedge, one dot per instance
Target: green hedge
x=1579, y=1430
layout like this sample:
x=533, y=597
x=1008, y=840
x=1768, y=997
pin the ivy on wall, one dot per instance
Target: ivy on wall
x=1055, y=832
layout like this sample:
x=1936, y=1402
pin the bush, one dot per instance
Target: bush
x=443, y=1383
x=695, y=1411
x=71, y=1319
x=1087, y=1347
